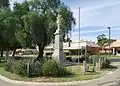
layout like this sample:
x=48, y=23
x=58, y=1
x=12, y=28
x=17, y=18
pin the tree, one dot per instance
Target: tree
x=67, y=20
x=35, y=23
x=4, y=3
x=8, y=28
x=10, y=34
x=22, y=34
x=3, y=14
x=102, y=39
x=38, y=22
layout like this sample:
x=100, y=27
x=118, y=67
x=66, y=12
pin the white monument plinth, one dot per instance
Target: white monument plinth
x=58, y=53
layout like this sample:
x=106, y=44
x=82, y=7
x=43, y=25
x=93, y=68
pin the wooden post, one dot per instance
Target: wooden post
x=7, y=55
x=93, y=64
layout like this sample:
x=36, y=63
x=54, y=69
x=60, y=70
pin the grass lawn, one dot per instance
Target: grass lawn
x=76, y=70
x=106, y=56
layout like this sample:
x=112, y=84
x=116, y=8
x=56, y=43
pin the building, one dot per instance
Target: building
x=73, y=47
x=114, y=47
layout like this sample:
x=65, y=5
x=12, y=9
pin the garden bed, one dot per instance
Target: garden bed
x=77, y=75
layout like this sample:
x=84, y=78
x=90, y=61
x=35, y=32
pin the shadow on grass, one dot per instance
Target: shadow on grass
x=110, y=67
x=92, y=73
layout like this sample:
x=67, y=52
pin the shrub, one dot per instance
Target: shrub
x=106, y=63
x=82, y=58
x=69, y=59
x=17, y=67
x=35, y=68
x=53, y=68
x=20, y=68
x=2, y=59
x=9, y=65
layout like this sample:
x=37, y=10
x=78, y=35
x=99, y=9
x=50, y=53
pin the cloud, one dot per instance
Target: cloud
x=91, y=33
x=96, y=15
x=96, y=30
x=99, y=13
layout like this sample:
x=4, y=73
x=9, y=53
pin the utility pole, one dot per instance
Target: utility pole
x=109, y=40
x=79, y=40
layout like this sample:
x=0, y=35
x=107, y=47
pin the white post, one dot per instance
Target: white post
x=28, y=69
x=113, y=51
x=84, y=67
x=96, y=66
x=99, y=64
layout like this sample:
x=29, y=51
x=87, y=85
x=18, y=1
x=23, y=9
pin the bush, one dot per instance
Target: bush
x=53, y=68
x=2, y=59
x=17, y=67
x=20, y=68
x=9, y=65
x=106, y=63
x=35, y=68
x=82, y=58
x=69, y=59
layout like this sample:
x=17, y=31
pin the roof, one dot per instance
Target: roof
x=114, y=44
x=92, y=44
x=75, y=45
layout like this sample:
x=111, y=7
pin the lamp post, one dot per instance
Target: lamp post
x=109, y=40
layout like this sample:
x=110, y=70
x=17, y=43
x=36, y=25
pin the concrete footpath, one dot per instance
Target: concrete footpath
x=110, y=79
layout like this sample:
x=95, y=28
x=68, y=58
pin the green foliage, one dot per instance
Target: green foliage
x=8, y=64
x=69, y=59
x=33, y=23
x=106, y=63
x=35, y=69
x=8, y=27
x=20, y=68
x=101, y=40
x=2, y=59
x=17, y=67
x=4, y=3
x=22, y=34
x=38, y=23
x=36, y=27
x=53, y=68
x=67, y=20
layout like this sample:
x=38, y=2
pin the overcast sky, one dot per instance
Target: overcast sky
x=96, y=16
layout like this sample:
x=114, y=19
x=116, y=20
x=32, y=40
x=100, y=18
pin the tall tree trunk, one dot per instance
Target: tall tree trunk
x=14, y=51
x=2, y=53
x=40, y=55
